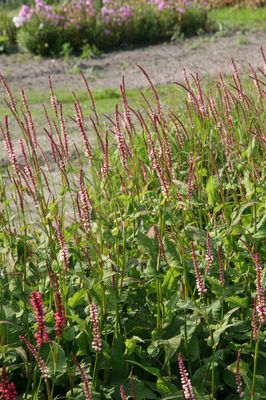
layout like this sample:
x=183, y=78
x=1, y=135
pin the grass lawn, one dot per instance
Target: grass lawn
x=239, y=18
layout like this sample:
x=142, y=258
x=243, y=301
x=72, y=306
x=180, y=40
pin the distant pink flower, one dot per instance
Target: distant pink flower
x=190, y=184
x=221, y=268
x=63, y=248
x=84, y=200
x=199, y=282
x=209, y=256
x=25, y=12
x=10, y=148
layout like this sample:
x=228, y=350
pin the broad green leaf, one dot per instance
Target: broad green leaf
x=237, y=301
x=212, y=190
x=78, y=298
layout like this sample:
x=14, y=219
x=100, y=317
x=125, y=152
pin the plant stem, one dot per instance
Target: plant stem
x=255, y=366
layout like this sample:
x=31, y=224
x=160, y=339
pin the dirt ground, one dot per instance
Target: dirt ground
x=208, y=55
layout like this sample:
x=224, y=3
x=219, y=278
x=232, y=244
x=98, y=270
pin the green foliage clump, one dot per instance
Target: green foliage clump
x=146, y=25
x=40, y=37
x=142, y=235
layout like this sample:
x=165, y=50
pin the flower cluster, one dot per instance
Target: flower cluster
x=40, y=362
x=41, y=335
x=7, y=390
x=96, y=343
x=238, y=376
x=59, y=315
x=209, y=256
x=178, y=5
x=75, y=12
x=87, y=391
x=72, y=12
x=185, y=381
x=63, y=255
x=41, y=9
x=199, y=282
x=114, y=13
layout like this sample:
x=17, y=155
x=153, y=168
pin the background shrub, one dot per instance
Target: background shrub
x=106, y=27
x=7, y=27
x=193, y=21
x=40, y=37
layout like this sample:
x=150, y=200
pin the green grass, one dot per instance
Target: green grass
x=105, y=99
x=239, y=18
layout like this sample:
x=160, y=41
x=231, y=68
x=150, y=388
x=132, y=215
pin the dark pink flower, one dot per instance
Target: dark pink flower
x=7, y=390
x=59, y=315
x=37, y=304
x=122, y=392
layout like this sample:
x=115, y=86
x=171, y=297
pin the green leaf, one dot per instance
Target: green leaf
x=82, y=342
x=212, y=188
x=57, y=362
x=172, y=255
x=261, y=229
x=78, y=298
x=237, y=301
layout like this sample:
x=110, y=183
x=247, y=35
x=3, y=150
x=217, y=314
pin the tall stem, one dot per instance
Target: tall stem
x=255, y=366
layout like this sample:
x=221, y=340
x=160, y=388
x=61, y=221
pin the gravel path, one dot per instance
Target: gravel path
x=208, y=55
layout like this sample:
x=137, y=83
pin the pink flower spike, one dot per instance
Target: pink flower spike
x=37, y=304
x=122, y=393
x=199, y=282
x=87, y=391
x=238, y=376
x=96, y=343
x=63, y=247
x=40, y=362
x=221, y=268
x=185, y=381
x=209, y=256
x=59, y=315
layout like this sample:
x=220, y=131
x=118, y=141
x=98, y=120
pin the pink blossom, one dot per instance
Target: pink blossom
x=37, y=304
x=7, y=390
x=40, y=362
x=96, y=343
x=185, y=381
x=199, y=282
x=238, y=376
x=87, y=391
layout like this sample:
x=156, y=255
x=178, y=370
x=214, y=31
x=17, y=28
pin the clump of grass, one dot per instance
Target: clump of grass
x=138, y=251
